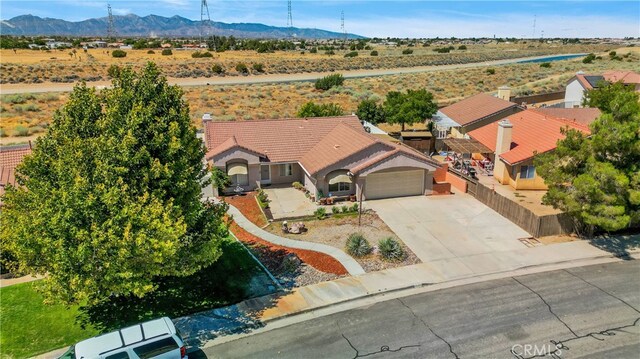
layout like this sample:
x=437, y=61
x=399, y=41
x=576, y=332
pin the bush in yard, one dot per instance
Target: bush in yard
x=167, y=52
x=297, y=185
x=220, y=179
x=357, y=245
x=345, y=208
x=390, y=249
x=263, y=198
x=354, y=208
x=119, y=53
x=320, y=213
x=242, y=68
x=329, y=81
x=335, y=209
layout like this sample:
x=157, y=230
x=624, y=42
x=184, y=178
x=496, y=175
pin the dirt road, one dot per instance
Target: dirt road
x=6, y=89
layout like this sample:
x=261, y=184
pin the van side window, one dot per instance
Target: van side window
x=156, y=348
x=121, y=355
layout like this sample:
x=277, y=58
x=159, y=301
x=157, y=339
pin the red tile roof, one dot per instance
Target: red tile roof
x=475, y=108
x=626, y=77
x=583, y=116
x=230, y=143
x=10, y=157
x=533, y=132
x=283, y=140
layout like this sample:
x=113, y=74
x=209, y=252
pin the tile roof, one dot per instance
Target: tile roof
x=627, y=77
x=230, y=143
x=532, y=132
x=342, y=142
x=10, y=157
x=583, y=116
x=281, y=140
x=475, y=108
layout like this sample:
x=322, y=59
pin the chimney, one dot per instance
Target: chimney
x=503, y=141
x=504, y=93
x=503, y=144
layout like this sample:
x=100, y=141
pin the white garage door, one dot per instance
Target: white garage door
x=394, y=184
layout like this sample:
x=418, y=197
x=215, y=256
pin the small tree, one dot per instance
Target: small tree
x=167, y=52
x=370, y=111
x=374, y=53
x=410, y=107
x=310, y=109
x=329, y=81
x=119, y=53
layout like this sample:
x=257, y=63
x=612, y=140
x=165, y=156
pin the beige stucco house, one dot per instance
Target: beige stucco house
x=330, y=156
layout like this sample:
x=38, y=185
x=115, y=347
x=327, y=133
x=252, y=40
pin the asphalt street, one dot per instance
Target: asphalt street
x=584, y=312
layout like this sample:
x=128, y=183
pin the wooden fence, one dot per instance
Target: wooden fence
x=537, y=226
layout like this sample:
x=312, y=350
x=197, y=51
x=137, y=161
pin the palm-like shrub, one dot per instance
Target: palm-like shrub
x=357, y=245
x=320, y=213
x=390, y=249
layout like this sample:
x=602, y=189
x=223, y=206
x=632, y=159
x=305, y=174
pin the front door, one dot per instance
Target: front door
x=265, y=174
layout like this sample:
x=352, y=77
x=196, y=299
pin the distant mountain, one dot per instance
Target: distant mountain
x=153, y=25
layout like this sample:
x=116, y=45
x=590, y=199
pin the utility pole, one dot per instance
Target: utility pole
x=205, y=23
x=289, y=18
x=111, y=27
x=344, y=32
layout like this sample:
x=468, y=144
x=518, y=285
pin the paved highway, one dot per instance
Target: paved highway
x=585, y=312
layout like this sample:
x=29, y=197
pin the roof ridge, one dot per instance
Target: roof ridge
x=284, y=119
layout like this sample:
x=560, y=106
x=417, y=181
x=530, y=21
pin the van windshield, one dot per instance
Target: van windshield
x=156, y=348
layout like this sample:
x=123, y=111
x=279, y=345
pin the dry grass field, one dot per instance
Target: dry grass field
x=24, y=116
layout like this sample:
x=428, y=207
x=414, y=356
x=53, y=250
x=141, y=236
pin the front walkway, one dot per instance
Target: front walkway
x=288, y=202
x=347, y=262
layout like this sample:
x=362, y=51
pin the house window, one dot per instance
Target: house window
x=340, y=187
x=527, y=171
x=286, y=170
x=238, y=174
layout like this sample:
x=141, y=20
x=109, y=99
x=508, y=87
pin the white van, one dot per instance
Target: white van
x=153, y=339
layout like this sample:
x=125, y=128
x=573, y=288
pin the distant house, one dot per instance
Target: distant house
x=581, y=83
x=329, y=156
x=473, y=112
x=517, y=138
x=10, y=158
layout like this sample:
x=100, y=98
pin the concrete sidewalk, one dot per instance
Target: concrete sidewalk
x=204, y=327
x=349, y=263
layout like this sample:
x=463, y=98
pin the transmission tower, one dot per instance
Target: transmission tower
x=205, y=22
x=344, y=32
x=111, y=27
x=533, y=36
x=289, y=17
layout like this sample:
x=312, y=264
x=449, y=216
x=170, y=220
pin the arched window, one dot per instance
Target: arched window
x=339, y=181
x=238, y=172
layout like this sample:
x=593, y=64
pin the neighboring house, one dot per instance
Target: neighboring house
x=517, y=138
x=581, y=83
x=10, y=158
x=473, y=112
x=329, y=155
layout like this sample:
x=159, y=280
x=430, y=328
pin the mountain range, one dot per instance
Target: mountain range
x=154, y=26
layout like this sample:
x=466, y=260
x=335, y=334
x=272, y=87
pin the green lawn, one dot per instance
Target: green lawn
x=28, y=327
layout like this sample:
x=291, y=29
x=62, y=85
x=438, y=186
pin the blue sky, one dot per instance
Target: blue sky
x=378, y=18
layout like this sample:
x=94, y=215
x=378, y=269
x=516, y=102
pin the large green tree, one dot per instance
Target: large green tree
x=596, y=178
x=110, y=198
x=370, y=111
x=410, y=107
x=311, y=109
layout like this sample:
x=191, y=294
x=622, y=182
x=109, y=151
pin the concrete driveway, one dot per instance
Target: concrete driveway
x=452, y=227
x=288, y=202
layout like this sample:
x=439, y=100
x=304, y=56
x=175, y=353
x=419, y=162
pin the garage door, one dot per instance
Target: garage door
x=394, y=184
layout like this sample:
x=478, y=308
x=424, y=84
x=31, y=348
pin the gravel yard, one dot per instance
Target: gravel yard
x=333, y=231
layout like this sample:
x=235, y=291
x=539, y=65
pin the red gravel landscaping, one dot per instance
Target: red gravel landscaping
x=249, y=207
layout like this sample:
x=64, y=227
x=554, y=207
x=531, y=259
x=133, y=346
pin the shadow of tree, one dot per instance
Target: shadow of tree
x=619, y=244
x=225, y=282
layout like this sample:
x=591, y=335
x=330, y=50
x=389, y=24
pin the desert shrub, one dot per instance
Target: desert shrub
x=151, y=52
x=335, y=209
x=198, y=54
x=48, y=97
x=351, y=54
x=407, y=51
x=217, y=69
x=15, y=99
x=462, y=47
x=119, y=53
x=313, y=50
x=390, y=249
x=167, y=52
x=242, y=68
x=263, y=198
x=329, y=81
x=357, y=245
x=491, y=71
x=345, y=208
x=589, y=58
x=329, y=52
x=320, y=213
x=32, y=107
x=20, y=131
x=545, y=65
x=3, y=132
x=259, y=67
x=374, y=53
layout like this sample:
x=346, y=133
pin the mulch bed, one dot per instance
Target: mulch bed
x=249, y=207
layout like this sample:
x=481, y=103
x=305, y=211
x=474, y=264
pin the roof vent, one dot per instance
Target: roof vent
x=206, y=117
x=336, y=146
